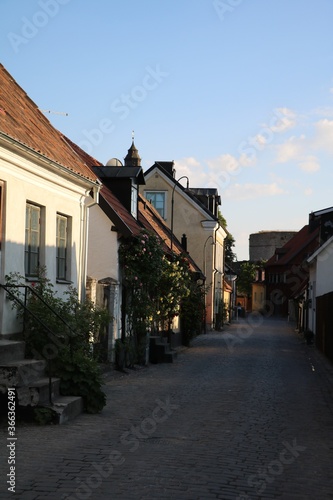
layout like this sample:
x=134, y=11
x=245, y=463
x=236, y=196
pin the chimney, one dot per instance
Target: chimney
x=184, y=242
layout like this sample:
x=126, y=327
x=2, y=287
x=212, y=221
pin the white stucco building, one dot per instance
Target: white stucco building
x=46, y=194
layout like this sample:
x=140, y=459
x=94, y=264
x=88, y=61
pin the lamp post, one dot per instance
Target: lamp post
x=173, y=202
x=204, y=270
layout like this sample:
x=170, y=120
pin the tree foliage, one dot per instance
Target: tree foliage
x=229, y=242
x=156, y=286
x=246, y=277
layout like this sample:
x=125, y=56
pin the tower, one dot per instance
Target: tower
x=132, y=159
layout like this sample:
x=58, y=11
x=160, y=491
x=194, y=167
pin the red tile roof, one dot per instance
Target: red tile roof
x=124, y=222
x=304, y=241
x=122, y=219
x=21, y=120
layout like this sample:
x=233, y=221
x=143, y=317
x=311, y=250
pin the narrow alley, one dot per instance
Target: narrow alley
x=246, y=413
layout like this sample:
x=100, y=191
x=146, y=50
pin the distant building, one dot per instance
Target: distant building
x=263, y=244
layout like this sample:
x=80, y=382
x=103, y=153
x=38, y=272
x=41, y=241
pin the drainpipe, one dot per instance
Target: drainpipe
x=215, y=271
x=85, y=204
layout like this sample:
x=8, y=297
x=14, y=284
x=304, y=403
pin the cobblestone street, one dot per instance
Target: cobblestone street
x=246, y=413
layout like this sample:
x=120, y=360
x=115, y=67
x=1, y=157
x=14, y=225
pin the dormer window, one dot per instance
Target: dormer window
x=157, y=199
x=134, y=201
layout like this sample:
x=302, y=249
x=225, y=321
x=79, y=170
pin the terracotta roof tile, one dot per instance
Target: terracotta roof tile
x=298, y=243
x=121, y=218
x=21, y=120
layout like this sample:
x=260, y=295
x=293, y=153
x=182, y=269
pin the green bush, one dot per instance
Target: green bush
x=69, y=349
x=80, y=376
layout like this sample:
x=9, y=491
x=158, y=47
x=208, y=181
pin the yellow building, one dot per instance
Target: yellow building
x=192, y=216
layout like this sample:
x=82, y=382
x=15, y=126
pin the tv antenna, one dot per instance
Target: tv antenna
x=54, y=112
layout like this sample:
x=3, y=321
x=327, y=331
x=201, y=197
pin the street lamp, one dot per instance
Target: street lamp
x=204, y=252
x=173, y=201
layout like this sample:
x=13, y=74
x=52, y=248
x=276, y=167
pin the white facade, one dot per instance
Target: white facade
x=321, y=277
x=29, y=178
x=103, y=246
x=103, y=271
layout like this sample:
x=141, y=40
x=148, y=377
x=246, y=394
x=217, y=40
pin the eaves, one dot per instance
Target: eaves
x=14, y=145
x=182, y=190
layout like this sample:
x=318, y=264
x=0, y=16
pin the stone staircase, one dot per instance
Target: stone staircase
x=31, y=384
x=160, y=351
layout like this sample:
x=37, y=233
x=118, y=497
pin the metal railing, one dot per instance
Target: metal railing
x=26, y=310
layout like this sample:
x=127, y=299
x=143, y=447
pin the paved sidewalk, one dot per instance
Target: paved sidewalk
x=243, y=414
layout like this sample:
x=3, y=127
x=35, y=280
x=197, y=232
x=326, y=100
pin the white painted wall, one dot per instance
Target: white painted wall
x=325, y=271
x=102, y=246
x=31, y=178
x=320, y=278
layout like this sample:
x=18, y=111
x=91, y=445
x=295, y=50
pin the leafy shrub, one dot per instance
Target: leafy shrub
x=80, y=376
x=63, y=331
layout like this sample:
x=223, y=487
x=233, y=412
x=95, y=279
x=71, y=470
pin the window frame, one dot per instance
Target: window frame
x=163, y=211
x=28, y=242
x=134, y=200
x=65, y=259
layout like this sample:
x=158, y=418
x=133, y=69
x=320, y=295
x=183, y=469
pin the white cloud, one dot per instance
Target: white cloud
x=308, y=192
x=253, y=191
x=324, y=135
x=224, y=162
x=217, y=172
x=298, y=150
x=194, y=170
x=290, y=150
x=323, y=111
x=246, y=161
x=309, y=164
x=261, y=140
x=286, y=120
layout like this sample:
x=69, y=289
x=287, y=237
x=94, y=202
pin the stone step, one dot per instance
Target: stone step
x=67, y=408
x=159, y=351
x=11, y=350
x=22, y=372
x=63, y=409
x=37, y=393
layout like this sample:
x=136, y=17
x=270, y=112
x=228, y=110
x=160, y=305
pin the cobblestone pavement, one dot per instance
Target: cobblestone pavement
x=246, y=413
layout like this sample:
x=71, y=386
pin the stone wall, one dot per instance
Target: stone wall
x=264, y=243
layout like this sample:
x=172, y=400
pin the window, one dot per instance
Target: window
x=63, y=246
x=134, y=201
x=157, y=199
x=32, y=239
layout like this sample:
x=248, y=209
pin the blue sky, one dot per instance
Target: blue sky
x=239, y=93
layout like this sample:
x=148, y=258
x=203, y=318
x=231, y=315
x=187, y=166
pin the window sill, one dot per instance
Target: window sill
x=64, y=282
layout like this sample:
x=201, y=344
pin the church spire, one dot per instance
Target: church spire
x=132, y=159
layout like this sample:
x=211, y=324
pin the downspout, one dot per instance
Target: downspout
x=215, y=270
x=85, y=204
